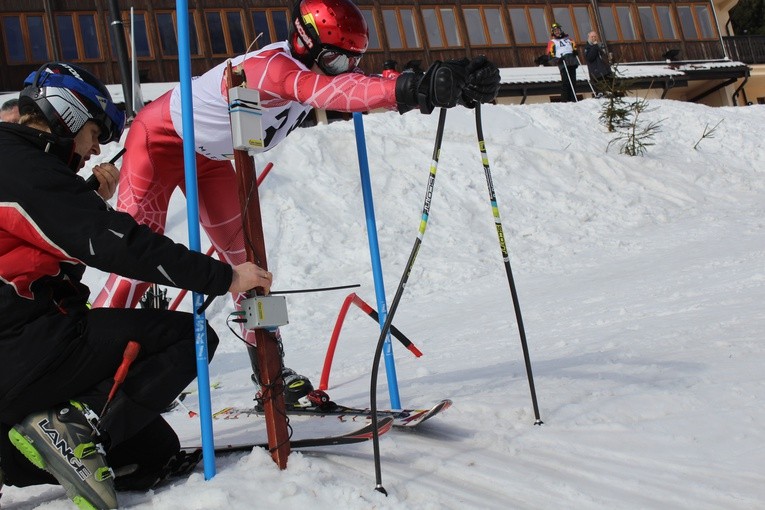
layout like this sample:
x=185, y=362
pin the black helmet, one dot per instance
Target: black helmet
x=69, y=96
x=554, y=26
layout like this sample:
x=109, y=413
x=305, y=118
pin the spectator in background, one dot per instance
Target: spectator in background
x=562, y=51
x=9, y=112
x=597, y=60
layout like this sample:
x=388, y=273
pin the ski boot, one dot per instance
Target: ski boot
x=296, y=388
x=64, y=442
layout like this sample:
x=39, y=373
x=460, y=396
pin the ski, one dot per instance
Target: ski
x=406, y=418
x=358, y=435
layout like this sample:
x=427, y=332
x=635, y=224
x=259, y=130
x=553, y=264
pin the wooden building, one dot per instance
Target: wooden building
x=511, y=33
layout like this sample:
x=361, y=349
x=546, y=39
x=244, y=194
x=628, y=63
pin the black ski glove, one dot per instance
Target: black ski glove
x=440, y=86
x=481, y=83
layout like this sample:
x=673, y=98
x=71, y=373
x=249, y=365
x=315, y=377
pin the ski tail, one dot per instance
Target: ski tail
x=359, y=435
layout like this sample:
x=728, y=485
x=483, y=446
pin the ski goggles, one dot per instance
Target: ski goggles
x=334, y=61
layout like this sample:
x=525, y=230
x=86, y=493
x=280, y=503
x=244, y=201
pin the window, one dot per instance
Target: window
x=584, y=22
x=618, y=23
x=686, y=22
x=650, y=29
x=226, y=32
x=625, y=22
x=441, y=27
x=67, y=37
x=374, y=33
x=696, y=21
x=609, y=24
x=143, y=48
x=485, y=26
x=400, y=28
x=14, y=39
x=77, y=36
x=281, y=25
x=89, y=32
x=26, y=38
x=666, y=22
x=704, y=19
x=657, y=22
x=271, y=26
x=576, y=21
x=168, y=40
x=38, y=38
x=530, y=25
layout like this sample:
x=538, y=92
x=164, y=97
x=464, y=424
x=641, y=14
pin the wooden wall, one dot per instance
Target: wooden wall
x=165, y=69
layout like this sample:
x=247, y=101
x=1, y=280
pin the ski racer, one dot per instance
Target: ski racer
x=317, y=67
x=562, y=50
x=58, y=357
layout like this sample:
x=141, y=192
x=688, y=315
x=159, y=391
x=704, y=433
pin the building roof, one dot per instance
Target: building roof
x=550, y=74
x=545, y=80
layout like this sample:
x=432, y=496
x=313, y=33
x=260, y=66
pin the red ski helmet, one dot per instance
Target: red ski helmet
x=68, y=96
x=331, y=33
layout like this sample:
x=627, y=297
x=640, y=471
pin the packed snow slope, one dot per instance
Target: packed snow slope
x=641, y=281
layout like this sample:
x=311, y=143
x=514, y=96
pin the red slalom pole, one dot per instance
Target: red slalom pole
x=353, y=299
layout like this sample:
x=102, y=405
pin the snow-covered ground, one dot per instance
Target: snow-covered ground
x=641, y=282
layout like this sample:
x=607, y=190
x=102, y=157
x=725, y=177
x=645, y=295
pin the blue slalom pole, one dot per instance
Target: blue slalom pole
x=192, y=215
x=374, y=252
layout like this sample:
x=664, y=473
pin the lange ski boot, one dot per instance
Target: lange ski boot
x=62, y=441
x=296, y=386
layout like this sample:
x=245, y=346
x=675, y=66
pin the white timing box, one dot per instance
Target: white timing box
x=265, y=312
x=246, y=118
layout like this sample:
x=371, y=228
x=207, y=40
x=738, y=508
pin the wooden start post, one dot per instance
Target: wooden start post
x=268, y=354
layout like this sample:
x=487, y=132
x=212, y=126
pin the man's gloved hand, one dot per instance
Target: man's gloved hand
x=481, y=83
x=440, y=86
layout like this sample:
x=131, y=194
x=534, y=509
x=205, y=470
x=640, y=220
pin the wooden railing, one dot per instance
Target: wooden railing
x=749, y=49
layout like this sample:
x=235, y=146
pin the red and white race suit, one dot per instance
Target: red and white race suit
x=153, y=165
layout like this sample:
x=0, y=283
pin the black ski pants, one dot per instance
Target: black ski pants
x=568, y=79
x=165, y=365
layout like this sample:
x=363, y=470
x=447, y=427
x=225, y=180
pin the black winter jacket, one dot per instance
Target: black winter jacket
x=51, y=226
x=597, y=63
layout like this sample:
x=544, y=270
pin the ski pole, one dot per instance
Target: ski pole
x=505, y=258
x=399, y=291
x=594, y=94
x=131, y=352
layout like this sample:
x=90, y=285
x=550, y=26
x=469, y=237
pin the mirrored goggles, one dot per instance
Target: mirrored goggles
x=334, y=61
